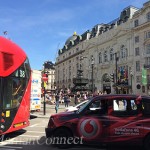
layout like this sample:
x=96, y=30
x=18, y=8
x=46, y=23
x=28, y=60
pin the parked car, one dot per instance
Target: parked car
x=76, y=107
x=105, y=119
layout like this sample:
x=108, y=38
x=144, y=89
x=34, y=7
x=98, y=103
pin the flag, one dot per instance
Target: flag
x=144, y=76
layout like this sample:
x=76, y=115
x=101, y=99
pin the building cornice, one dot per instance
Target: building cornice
x=76, y=54
x=146, y=24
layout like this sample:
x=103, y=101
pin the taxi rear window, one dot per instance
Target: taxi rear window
x=123, y=107
x=146, y=107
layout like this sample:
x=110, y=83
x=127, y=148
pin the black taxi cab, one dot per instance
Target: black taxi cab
x=105, y=119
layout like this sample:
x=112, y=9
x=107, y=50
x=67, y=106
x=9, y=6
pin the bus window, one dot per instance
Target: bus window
x=15, y=86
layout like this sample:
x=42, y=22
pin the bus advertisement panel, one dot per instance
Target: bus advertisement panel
x=36, y=91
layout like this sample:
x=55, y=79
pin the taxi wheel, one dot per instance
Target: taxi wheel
x=61, y=138
x=147, y=143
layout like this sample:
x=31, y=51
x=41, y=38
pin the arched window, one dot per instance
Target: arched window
x=123, y=52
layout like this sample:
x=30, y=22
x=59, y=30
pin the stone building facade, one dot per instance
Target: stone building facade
x=121, y=48
x=48, y=68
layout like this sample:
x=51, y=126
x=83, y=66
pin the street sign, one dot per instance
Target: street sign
x=45, y=77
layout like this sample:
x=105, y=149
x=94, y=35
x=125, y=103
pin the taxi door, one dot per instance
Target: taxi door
x=93, y=122
x=125, y=121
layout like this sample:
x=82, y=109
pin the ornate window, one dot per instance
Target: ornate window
x=148, y=49
x=123, y=52
x=100, y=57
x=137, y=51
x=105, y=56
x=137, y=65
x=148, y=61
x=136, y=23
x=136, y=39
x=148, y=16
x=111, y=55
x=138, y=79
x=147, y=34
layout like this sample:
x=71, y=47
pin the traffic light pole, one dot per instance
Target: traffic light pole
x=44, y=103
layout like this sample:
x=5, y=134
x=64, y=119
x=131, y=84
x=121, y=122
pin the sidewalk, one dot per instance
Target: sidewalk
x=50, y=109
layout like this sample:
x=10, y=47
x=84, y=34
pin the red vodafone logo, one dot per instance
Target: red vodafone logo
x=89, y=128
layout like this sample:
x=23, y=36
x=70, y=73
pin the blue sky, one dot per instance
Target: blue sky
x=41, y=27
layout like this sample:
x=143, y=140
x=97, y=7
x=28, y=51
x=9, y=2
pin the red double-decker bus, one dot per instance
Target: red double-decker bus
x=15, y=87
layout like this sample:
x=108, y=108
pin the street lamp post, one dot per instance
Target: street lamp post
x=92, y=65
x=116, y=60
x=44, y=103
x=131, y=75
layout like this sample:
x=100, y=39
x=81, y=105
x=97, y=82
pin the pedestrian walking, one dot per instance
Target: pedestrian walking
x=56, y=102
x=77, y=98
x=56, y=107
x=66, y=100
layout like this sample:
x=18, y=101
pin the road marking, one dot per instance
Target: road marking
x=10, y=142
x=7, y=149
x=33, y=125
x=16, y=142
x=35, y=132
x=40, y=126
x=29, y=135
x=11, y=147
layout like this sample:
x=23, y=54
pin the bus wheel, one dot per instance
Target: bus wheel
x=61, y=138
x=147, y=143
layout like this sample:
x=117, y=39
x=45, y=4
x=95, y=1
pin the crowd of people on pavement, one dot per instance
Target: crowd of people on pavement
x=66, y=97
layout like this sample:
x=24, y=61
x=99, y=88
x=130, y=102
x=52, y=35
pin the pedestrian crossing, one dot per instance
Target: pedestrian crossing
x=34, y=135
x=30, y=137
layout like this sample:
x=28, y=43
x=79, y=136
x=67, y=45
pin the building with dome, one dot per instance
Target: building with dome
x=112, y=55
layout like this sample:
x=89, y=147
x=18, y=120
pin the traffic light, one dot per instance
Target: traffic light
x=112, y=77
